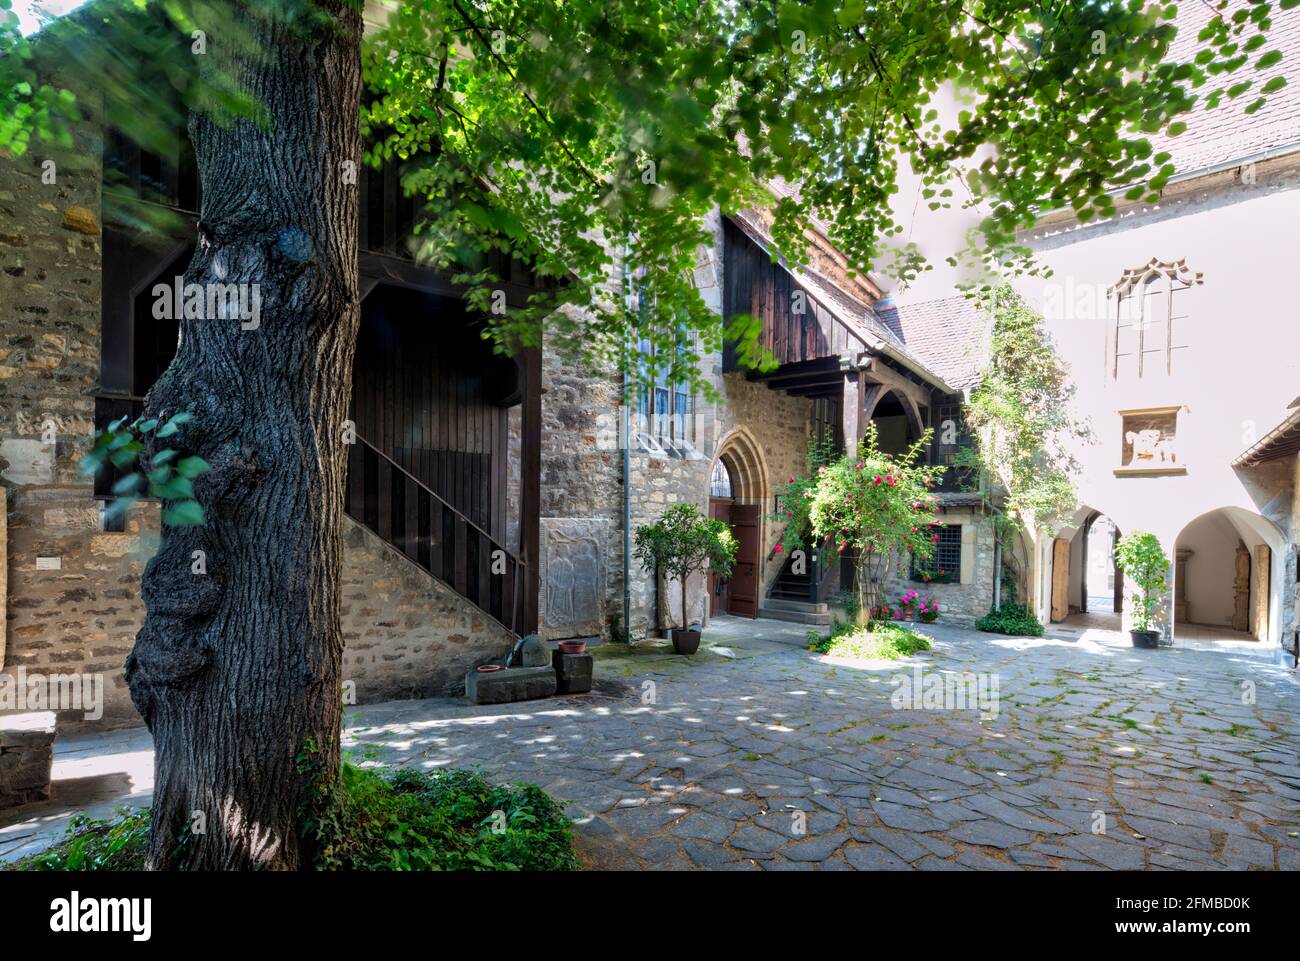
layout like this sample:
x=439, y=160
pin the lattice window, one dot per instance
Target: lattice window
x=720, y=482
x=944, y=565
x=665, y=412
x=1148, y=321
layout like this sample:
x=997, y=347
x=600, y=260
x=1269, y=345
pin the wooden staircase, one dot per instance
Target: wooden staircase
x=432, y=534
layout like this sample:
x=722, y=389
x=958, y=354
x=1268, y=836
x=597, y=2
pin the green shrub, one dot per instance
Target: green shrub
x=875, y=641
x=1141, y=557
x=1010, y=618
x=96, y=844
x=408, y=820
x=399, y=820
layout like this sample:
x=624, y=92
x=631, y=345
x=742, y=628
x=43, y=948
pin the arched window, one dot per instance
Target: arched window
x=720, y=482
x=1147, y=325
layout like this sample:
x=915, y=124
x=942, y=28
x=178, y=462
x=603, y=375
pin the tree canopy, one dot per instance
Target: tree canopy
x=576, y=132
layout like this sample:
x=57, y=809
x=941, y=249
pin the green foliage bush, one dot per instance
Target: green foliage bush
x=456, y=820
x=1012, y=619
x=399, y=820
x=96, y=844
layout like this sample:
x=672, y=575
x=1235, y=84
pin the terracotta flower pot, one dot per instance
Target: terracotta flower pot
x=488, y=668
x=573, y=647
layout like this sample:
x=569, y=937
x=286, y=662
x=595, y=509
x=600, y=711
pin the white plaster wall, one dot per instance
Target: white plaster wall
x=1211, y=569
x=1234, y=381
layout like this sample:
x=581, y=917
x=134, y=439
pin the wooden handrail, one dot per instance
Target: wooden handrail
x=434, y=494
x=421, y=525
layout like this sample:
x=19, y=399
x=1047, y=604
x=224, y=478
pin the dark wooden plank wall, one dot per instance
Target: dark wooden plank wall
x=421, y=385
x=754, y=285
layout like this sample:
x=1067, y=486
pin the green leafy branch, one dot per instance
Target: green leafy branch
x=165, y=476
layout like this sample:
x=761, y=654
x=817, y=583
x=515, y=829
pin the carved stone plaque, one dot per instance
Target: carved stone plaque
x=573, y=576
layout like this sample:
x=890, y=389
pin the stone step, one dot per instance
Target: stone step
x=796, y=604
x=795, y=617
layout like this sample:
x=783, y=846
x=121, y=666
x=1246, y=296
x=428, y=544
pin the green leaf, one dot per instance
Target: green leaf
x=183, y=514
x=191, y=466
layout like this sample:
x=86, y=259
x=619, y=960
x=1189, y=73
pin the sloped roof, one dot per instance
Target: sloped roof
x=1282, y=441
x=950, y=335
x=859, y=316
x=1227, y=133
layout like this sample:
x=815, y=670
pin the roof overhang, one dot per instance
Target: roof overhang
x=1279, y=443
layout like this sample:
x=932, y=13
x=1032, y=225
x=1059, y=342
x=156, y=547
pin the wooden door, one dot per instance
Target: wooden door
x=719, y=587
x=1259, y=576
x=743, y=588
x=1060, y=579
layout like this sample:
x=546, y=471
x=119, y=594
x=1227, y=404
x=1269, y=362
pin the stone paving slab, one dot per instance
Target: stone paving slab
x=757, y=755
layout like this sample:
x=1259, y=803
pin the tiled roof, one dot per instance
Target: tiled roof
x=1226, y=133
x=949, y=336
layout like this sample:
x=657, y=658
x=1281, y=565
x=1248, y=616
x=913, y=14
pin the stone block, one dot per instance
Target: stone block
x=26, y=757
x=530, y=651
x=510, y=684
x=572, y=672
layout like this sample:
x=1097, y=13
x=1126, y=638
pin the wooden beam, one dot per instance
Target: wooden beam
x=815, y=390
x=877, y=373
x=851, y=409
x=530, y=506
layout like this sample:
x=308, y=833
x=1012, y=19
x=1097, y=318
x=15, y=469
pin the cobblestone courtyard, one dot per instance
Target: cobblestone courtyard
x=756, y=754
x=746, y=736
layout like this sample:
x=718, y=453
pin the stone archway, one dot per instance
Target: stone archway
x=745, y=510
x=1087, y=587
x=1226, y=587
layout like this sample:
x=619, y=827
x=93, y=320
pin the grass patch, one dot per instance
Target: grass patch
x=880, y=640
x=394, y=820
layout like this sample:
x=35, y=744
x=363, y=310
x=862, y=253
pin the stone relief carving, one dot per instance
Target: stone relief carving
x=1149, y=448
x=573, y=576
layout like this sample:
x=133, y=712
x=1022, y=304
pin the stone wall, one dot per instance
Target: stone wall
x=582, y=459
x=407, y=634
x=73, y=590
x=960, y=603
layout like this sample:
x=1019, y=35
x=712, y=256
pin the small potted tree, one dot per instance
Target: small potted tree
x=680, y=543
x=1141, y=558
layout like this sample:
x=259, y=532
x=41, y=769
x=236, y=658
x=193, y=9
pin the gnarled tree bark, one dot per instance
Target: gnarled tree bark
x=237, y=671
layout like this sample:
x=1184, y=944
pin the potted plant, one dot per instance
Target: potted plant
x=1141, y=558
x=682, y=542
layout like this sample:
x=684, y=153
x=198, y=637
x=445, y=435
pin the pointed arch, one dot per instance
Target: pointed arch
x=743, y=457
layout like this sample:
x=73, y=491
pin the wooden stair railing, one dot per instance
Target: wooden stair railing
x=432, y=534
x=408, y=516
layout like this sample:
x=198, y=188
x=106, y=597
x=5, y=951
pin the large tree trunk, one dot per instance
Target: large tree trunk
x=237, y=671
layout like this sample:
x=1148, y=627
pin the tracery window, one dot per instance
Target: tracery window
x=1148, y=321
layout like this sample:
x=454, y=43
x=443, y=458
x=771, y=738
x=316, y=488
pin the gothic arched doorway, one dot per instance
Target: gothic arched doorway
x=737, y=493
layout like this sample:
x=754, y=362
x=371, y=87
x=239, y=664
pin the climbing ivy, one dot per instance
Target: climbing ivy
x=1021, y=415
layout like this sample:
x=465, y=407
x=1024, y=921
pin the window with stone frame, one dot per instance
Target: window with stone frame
x=665, y=411
x=1150, y=308
x=944, y=565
